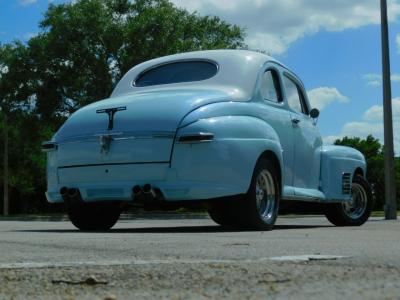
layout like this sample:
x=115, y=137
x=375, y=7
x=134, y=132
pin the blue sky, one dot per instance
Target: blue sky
x=332, y=45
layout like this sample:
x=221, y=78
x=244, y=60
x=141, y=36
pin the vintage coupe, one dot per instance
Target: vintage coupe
x=232, y=129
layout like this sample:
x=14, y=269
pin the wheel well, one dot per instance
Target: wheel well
x=359, y=171
x=271, y=156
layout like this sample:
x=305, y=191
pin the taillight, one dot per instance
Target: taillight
x=196, y=137
x=49, y=146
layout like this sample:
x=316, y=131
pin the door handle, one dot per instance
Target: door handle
x=295, y=121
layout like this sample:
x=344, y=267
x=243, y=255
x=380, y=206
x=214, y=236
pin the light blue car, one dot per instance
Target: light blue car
x=230, y=129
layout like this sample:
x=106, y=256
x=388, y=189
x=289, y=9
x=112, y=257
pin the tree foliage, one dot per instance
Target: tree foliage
x=15, y=83
x=83, y=49
x=373, y=152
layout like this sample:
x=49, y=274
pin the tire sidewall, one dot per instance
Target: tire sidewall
x=336, y=214
x=368, y=209
x=257, y=221
x=93, y=216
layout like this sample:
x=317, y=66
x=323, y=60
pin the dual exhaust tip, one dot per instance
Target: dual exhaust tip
x=137, y=192
x=146, y=191
x=71, y=193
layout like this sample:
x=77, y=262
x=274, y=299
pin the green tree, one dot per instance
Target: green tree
x=20, y=127
x=373, y=152
x=15, y=84
x=14, y=95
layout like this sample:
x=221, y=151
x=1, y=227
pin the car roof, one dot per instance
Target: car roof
x=238, y=70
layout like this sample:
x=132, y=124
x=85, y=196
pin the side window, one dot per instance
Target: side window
x=294, y=96
x=270, y=88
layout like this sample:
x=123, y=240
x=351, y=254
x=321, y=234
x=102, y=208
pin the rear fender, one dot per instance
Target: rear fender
x=230, y=157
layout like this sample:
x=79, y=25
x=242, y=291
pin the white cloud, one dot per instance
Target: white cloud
x=372, y=123
x=375, y=80
x=322, y=96
x=27, y=2
x=273, y=25
x=375, y=113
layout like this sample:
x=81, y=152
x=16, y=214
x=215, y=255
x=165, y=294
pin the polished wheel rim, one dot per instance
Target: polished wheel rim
x=355, y=208
x=265, y=195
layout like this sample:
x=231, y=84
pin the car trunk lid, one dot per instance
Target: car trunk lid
x=136, y=128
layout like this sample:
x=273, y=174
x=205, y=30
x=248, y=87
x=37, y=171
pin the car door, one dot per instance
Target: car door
x=275, y=113
x=306, y=138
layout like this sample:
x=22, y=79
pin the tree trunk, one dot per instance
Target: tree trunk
x=5, y=173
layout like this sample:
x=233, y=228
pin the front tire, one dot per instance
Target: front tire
x=356, y=212
x=93, y=216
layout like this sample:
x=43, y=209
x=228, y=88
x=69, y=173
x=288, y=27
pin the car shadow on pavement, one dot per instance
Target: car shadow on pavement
x=174, y=229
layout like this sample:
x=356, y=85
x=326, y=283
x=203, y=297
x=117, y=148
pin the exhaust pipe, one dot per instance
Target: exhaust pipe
x=147, y=197
x=148, y=191
x=137, y=193
x=137, y=190
x=74, y=195
x=71, y=195
x=64, y=193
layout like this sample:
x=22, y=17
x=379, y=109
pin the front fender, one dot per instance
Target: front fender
x=230, y=157
x=337, y=161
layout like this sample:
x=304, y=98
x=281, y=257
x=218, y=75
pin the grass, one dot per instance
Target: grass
x=381, y=213
x=378, y=213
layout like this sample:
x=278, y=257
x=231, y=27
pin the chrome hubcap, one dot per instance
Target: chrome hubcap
x=265, y=195
x=356, y=207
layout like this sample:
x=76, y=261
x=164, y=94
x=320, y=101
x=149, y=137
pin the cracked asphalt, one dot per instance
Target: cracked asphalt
x=192, y=258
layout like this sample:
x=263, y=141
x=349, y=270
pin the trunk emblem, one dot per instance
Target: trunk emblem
x=110, y=112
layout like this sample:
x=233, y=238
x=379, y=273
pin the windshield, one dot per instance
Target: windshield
x=185, y=71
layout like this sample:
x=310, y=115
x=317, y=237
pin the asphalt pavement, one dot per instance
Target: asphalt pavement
x=192, y=258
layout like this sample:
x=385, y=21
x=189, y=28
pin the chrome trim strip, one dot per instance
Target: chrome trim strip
x=113, y=164
x=118, y=136
x=133, y=84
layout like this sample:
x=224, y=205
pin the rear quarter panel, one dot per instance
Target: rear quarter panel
x=229, y=159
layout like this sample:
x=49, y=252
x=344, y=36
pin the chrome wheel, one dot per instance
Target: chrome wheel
x=265, y=195
x=355, y=208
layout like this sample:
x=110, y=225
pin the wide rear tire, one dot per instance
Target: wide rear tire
x=356, y=212
x=100, y=216
x=258, y=209
x=224, y=213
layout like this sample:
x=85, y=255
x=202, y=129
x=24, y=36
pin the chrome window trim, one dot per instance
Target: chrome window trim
x=174, y=62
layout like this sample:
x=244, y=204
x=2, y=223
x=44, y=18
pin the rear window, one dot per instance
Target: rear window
x=185, y=71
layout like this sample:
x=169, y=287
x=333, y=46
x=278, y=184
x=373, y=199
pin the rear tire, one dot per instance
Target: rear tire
x=356, y=212
x=258, y=209
x=223, y=213
x=100, y=216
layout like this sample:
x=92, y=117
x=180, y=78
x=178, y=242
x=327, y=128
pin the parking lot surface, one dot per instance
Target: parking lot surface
x=180, y=257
